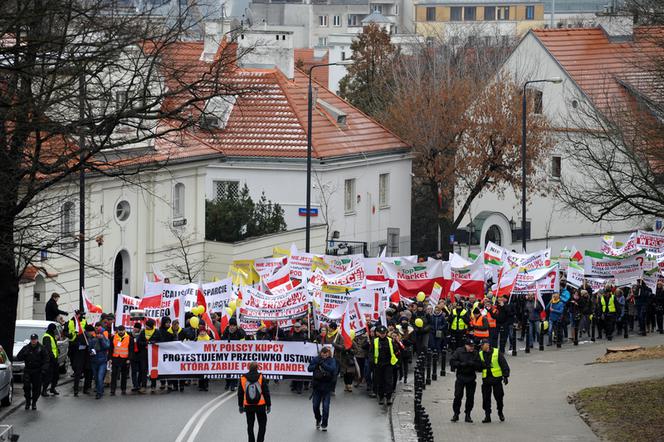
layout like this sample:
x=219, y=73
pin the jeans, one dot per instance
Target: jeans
x=136, y=374
x=533, y=332
x=641, y=315
x=368, y=373
x=98, y=373
x=317, y=398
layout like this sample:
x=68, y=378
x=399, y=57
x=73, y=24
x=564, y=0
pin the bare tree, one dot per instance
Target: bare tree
x=184, y=264
x=326, y=190
x=86, y=86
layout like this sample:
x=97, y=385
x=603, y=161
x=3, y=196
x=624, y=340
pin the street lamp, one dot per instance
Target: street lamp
x=309, y=116
x=554, y=80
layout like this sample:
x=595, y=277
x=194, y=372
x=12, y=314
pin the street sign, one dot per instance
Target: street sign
x=302, y=211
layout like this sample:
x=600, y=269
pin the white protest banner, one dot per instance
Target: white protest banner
x=220, y=358
x=650, y=241
x=529, y=261
x=546, y=280
x=468, y=279
x=373, y=266
x=494, y=255
x=152, y=306
x=332, y=298
x=300, y=265
x=575, y=275
x=267, y=266
x=419, y=277
x=217, y=295
x=353, y=277
x=279, y=282
x=435, y=295
x=343, y=263
x=621, y=268
x=259, y=306
x=609, y=246
x=650, y=279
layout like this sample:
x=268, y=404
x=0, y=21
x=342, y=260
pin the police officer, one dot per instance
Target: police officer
x=384, y=361
x=36, y=365
x=459, y=320
x=609, y=309
x=50, y=343
x=465, y=362
x=494, y=371
x=253, y=398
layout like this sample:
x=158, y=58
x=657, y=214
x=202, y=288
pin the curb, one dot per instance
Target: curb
x=401, y=415
x=18, y=404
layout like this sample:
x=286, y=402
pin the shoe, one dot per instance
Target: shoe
x=501, y=416
x=55, y=393
x=228, y=386
x=181, y=389
x=112, y=393
x=389, y=401
x=487, y=419
x=34, y=406
x=152, y=390
x=162, y=387
x=323, y=428
x=381, y=401
x=141, y=391
x=134, y=390
x=317, y=425
x=455, y=418
x=123, y=393
x=45, y=394
x=372, y=394
x=76, y=394
x=86, y=391
x=27, y=406
x=468, y=419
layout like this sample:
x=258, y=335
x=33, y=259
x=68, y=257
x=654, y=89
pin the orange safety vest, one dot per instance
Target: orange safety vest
x=121, y=346
x=243, y=382
x=489, y=317
x=479, y=322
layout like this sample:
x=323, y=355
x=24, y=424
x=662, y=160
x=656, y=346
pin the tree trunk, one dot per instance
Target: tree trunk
x=8, y=284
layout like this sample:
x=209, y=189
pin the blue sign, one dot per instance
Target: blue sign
x=302, y=211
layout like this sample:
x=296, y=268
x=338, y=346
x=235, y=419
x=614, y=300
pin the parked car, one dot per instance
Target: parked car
x=6, y=380
x=26, y=327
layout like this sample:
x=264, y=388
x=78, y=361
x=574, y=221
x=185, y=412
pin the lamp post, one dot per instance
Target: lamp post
x=554, y=80
x=309, y=116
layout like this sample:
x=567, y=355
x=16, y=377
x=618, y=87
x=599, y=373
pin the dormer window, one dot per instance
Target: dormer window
x=217, y=112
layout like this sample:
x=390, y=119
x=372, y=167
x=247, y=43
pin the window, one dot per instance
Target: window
x=537, y=102
x=489, y=13
x=455, y=13
x=224, y=190
x=322, y=41
x=67, y=217
x=178, y=201
x=336, y=20
x=384, y=190
x=494, y=234
x=354, y=20
x=122, y=210
x=322, y=20
x=396, y=9
x=503, y=13
x=343, y=55
x=431, y=14
x=377, y=8
x=516, y=231
x=530, y=13
x=469, y=13
x=349, y=196
x=556, y=166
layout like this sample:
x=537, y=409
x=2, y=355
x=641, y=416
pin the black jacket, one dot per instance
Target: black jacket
x=465, y=363
x=238, y=335
x=329, y=365
x=52, y=311
x=252, y=376
x=34, y=357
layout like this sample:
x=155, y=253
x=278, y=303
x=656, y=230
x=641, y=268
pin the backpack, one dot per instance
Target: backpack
x=253, y=392
x=321, y=375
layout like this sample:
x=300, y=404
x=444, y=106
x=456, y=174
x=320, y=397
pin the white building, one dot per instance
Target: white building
x=586, y=60
x=361, y=185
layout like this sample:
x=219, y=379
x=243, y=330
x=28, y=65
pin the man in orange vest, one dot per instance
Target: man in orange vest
x=490, y=312
x=120, y=345
x=253, y=398
x=479, y=325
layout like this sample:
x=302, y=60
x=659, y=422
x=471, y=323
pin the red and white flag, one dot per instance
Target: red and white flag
x=200, y=300
x=279, y=282
x=468, y=279
x=89, y=306
x=575, y=255
x=351, y=321
x=156, y=274
x=506, y=281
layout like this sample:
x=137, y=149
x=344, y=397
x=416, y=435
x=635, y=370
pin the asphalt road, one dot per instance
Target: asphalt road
x=194, y=416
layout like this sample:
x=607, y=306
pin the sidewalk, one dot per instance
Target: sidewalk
x=536, y=404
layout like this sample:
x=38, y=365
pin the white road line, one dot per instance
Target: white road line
x=201, y=421
x=193, y=419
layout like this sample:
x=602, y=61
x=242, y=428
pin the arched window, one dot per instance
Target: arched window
x=494, y=235
x=178, y=201
x=67, y=219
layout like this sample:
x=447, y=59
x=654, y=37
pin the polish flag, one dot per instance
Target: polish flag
x=468, y=279
x=506, y=281
x=200, y=300
x=89, y=307
x=351, y=320
x=279, y=282
x=79, y=328
x=157, y=275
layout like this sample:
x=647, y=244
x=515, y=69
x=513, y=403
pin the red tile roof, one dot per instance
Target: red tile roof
x=270, y=119
x=602, y=68
x=306, y=57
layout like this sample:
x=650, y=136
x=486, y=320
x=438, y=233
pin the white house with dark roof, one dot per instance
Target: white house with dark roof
x=361, y=186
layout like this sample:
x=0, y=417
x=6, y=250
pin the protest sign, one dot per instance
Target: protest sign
x=259, y=306
x=546, y=280
x=650, y=241
x=220, y=358
x=413, y=278
x=153, y=308
x=620, y=268
x=529, y=261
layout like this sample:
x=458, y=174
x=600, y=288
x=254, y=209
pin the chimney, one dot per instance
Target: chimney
x=267, y=49
x=213, y=36
x=617, y=26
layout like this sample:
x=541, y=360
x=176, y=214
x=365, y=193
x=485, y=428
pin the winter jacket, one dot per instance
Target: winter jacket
x=438, y=332
x=556, y=310
x=52, y=311
x=465, y=364
x=35, y=358
x=237, y=335
x=502, y=362
x=331, y=366
x=252, y=376
x=100, y=344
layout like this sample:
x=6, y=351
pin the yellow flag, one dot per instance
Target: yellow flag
x=278, y=252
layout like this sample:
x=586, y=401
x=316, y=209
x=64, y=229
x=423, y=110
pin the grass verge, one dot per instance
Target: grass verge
x=624, y=412
x=656, y=352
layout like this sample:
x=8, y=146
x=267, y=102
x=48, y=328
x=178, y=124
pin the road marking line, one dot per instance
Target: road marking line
x=201, y=421
x=193, y=419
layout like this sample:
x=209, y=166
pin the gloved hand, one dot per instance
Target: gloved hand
x=241, y=410
x=268, y=409
x=505, y=380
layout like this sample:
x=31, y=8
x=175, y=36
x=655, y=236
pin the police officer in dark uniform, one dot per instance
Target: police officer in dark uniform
x=384, y=359
x=495, y=371
x=36, y=362
x=465, y=362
